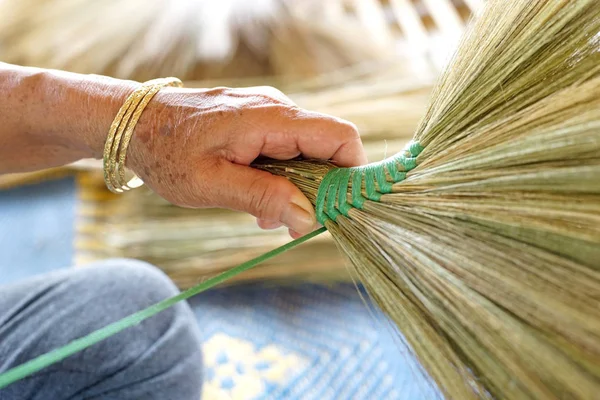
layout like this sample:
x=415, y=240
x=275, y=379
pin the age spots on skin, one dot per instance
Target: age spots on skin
x=166, y=129
x=144, y=138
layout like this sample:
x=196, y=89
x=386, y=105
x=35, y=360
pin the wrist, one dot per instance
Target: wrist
x=78, y=109
x=93, y=102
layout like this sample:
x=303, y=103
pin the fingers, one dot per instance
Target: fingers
x=294, y=234
x=266, y=122
x=289, y=132
x=272, y=199
x=325, y=137
x=270, y=225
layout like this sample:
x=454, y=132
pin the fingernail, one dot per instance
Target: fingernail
x=294, y=234
x=298, y=217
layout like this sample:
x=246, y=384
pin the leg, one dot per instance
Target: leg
x=157, y=359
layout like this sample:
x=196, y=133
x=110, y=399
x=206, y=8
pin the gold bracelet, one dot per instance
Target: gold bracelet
x=121, y=131
x=113, y=140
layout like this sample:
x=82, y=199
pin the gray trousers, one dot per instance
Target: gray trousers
x=157, y=359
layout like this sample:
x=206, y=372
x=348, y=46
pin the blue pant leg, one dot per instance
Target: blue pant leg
x=157, y=359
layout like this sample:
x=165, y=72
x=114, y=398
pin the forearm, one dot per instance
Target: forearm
x=51, y=118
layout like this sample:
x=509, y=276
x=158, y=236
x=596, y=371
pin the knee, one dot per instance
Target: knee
x=117, y=288
x=113, y=289
x=133, y=280
x=152, y=360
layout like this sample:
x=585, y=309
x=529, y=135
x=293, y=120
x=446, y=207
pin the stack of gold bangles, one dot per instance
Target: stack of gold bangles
x=121, y=130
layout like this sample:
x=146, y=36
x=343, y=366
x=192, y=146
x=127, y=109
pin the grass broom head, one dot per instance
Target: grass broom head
x=484, y=249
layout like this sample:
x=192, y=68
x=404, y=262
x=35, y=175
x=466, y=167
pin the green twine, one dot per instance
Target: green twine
x=52, y=357
x=334, y=187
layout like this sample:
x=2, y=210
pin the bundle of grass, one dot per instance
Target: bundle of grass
x=191, y=245
x=141, y=39
x=204, y=39
x=481, y=241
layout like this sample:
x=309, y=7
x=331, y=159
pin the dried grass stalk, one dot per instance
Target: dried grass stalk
x=487, y=256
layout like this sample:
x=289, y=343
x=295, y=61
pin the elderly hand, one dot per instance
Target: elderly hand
x=193, y=147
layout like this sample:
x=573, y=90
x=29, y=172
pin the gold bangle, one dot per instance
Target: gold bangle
x=140, y=98
x=113, y=140
x=121, y=131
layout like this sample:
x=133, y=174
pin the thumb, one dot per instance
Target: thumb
x=265, y=196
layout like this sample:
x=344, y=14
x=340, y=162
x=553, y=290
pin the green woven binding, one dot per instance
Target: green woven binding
x=332, y=195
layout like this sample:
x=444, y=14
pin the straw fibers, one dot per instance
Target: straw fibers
x=487, y=256
x=205, y=39
x=191, y=245
x=199, y=39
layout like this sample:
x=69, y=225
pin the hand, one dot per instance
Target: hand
x=194, y=147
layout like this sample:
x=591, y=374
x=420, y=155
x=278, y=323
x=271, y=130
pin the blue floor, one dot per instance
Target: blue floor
x=36, y=229
x=305, y=342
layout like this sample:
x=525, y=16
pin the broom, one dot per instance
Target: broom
x=486, y=253
x=481, y=241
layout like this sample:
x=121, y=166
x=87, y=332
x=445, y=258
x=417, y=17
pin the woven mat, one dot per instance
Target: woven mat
x=305, y=342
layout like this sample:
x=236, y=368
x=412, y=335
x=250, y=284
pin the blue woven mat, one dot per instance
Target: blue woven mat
x=302, y=342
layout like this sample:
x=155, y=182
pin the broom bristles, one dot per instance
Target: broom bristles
x=487, y=256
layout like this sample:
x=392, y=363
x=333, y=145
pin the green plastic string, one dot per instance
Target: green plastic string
x=332, y=195
x=45, y=360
